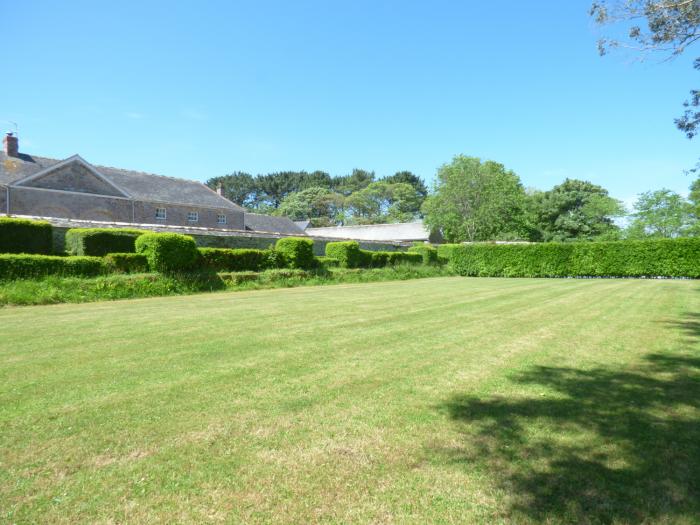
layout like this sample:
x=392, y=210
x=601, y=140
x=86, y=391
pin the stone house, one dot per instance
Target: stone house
x=75, y=189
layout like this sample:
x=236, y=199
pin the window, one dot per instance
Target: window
x=221, y=219
x=192, y=216
x=160, y=213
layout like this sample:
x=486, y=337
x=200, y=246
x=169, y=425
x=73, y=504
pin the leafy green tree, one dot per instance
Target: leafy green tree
x=666, y=26
x=661, y=213
x=574, y=210
x=356, y=181
x=238, y=187
x=476, y=201
x=382, y=202
x=409, y=178
x=313, y=203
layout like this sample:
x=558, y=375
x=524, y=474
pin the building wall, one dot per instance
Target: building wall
x=46, y=203
x=3, y=199
x=145, y=213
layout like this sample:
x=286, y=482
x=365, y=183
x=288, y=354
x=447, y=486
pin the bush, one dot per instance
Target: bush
x=648, y=258
x=327, y=262
x=427, y=252
x=25, y=236
x=235, y=260
x=370, y=259
x=444, y=252
x=101, y=241
x=168, y=252
x=126, y=263
x=297, y=251
x=347, y=253
x=24, y=266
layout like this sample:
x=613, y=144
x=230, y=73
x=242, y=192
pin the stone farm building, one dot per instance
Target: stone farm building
x=73, y=188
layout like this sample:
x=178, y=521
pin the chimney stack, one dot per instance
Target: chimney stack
x=220, y=189
x=11, y=145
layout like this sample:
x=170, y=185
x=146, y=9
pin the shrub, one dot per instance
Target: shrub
x=395, y=258
x=101, y=241
x=23, y=266
x=273, y=259
x=236, y=260
x=347, y=253
x=648, y=258
x=168, y=252
x=429, y=253
x=297, y=251
x=327, y=262
x=444, y=252
x=25, y=236
x=126, y=263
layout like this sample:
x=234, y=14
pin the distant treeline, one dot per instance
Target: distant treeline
x=471, y=200
x=357, y=198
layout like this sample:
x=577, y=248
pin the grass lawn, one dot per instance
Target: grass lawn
x=447, y=400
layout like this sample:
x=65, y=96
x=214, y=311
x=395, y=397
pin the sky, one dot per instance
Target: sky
x=201, y=89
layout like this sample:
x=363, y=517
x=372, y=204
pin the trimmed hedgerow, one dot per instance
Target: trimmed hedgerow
x=648, y=258
x=25, y=266
x=297, y=252
x=327, y=262
x=168, y=252
x=429, y=253
x=347, y=253
x=101, y=241
x=126, y=263
x=234, y=260
x=444, y=252
x=25, y=236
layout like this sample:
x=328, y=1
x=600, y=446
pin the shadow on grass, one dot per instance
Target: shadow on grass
x=592, y=446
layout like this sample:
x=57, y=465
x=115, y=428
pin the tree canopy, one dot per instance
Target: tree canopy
x=574, y=210
x=476, y=201
x=669, y=27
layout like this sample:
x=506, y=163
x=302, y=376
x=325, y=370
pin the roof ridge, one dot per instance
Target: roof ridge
x=366, y=225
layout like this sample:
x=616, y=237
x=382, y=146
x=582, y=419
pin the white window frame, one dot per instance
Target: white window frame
x=221, y=218
x=192, y=216
x=164, y=214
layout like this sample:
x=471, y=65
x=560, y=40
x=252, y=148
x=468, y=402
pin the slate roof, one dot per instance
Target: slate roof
x=267, y=223
x=140, y=186
x=408, y=231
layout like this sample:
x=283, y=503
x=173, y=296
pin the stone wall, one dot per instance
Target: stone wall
x=208, y=238
x=85, y=206
x=47, y=203
x=176, y=215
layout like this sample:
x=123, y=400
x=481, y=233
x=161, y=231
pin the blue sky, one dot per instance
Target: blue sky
x=199, y=89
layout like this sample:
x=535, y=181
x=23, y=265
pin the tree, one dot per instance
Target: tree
x=409, y=178
x=574, y=210
x=357, y=180
x=238, y=187
x=476, y=201
x=383, y=202
x=670, y=27
x=661, y=213
x=313, y=203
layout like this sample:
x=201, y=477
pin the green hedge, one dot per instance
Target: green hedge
x=427, y=252
x=25, y=236
x=347, y=253
x=297, y=252
x=101, y=241
x=444, y=252
x=24, y=266
x=126, y=263
x=648, y=258
x=238, y=260
x=168, y=252
x=327, y=262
